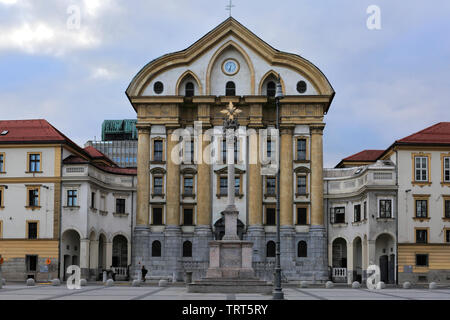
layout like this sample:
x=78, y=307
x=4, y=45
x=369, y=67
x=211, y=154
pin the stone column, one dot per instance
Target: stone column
x=84, y=258
x=365, y=260
x=350, y=263
x=255, y=229
x=109, y=253
x=371, y=252
x=286, y=178
x=255, y=182
x=203, y=230
x=317, y=174
x=143, y=176
x=203, y=185
x=173, y=183
x=172, y=232
x=93, y=257
x=141, y=240
x=287, y=230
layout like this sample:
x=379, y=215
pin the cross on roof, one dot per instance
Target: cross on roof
x=230, y=6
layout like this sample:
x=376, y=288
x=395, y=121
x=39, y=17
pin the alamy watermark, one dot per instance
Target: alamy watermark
x=374, y=19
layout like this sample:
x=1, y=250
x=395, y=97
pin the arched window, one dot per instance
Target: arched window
x=271, y=88
x=189, y=90
x=270, y=249
x=230, y=89
x=187, y=249
x=302, y=249
x=156, y=249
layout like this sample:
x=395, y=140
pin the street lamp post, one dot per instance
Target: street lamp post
x=278, y=291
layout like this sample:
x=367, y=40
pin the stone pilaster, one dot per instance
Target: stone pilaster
x=317, y=174
x=286, y=178
x=93, y=259
x=173, y=184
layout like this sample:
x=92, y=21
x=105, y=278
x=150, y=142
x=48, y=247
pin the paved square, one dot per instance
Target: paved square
x=126, y=292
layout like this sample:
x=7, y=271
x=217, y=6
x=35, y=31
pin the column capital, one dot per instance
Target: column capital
x=286, y=130
x=317, y=128
x=143, y=128
x=171, y=129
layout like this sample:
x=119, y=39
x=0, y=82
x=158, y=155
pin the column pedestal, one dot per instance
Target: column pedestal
x=172, y=252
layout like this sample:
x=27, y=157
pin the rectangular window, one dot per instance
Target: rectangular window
x=33, y=197
x=188, y=216
x=385, y=208
x=446, y=169
x=301, y=149
x=421, y=168
x=302, y=218
x=158, y=185
x=237, y=186
x=421, y=260
x=157, y=218
x=270, y=216
x=338, y=215
x=270, y=185
x=269, y=149
x=421, y=236
x=102, y=203
x=191, y=151
x=158, y=150
x=224, y=151
x=72, y=198
x=32, y=262
x=120, y=205
x=2, y=162
x=447, y=235
x=357, y=211
x=223, y=186
x=188, y=186
x=421, y=208
x=93, y=200
x=301, y=185
x=34, y=162
x=32, y=230
x=447, y=208
x=1, y=197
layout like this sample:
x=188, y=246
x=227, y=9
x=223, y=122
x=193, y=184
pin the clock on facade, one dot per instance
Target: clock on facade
x=230, y=67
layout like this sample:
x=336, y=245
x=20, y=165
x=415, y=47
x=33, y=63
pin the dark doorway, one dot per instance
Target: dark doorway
x=391, y=275
x=384, y=268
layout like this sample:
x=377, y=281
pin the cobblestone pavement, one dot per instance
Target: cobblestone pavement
x=126, y=292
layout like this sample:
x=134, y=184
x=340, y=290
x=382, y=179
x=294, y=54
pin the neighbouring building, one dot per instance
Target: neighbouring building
x=31, y=160
x=361, y=203
x=119, y=142
x=179, y=205
x=423, y=165
x=98, y=209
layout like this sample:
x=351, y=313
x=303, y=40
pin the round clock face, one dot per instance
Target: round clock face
x=230, y=67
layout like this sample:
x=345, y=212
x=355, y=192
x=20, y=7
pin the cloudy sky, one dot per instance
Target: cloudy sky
x=389, y=83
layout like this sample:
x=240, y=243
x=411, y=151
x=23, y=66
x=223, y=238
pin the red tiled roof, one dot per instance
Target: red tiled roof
x=118, y=170
x=94, y=153
x=365, y=155
x=33, y=131
x=436, y=134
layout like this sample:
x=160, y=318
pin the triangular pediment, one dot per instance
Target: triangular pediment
x=244, y=41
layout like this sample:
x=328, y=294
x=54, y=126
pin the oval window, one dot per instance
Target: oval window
x=301, y=86
x=158, y=87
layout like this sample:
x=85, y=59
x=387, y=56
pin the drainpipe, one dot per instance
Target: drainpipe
x=60, y=213
x=396, y=220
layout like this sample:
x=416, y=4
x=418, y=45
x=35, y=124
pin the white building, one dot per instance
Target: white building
x=98, y=206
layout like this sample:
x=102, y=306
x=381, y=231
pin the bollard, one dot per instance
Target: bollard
x=136, y=283
x=303, y=284
x=30, y=282
x=83, y=282
x=56, y=282
x=356, y=285
x=407, y=285
x=109, y=282
x=329, y=285
x=188, y=277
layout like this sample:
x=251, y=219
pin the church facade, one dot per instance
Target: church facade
x=179, y=202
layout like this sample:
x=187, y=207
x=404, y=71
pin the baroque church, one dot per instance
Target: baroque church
x=180, y=203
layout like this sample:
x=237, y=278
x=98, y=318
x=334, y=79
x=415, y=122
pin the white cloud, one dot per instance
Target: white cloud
x=8, y=2
x=103, y=73
x=43, y=38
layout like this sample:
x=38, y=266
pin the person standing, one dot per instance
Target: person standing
x=144, y=273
